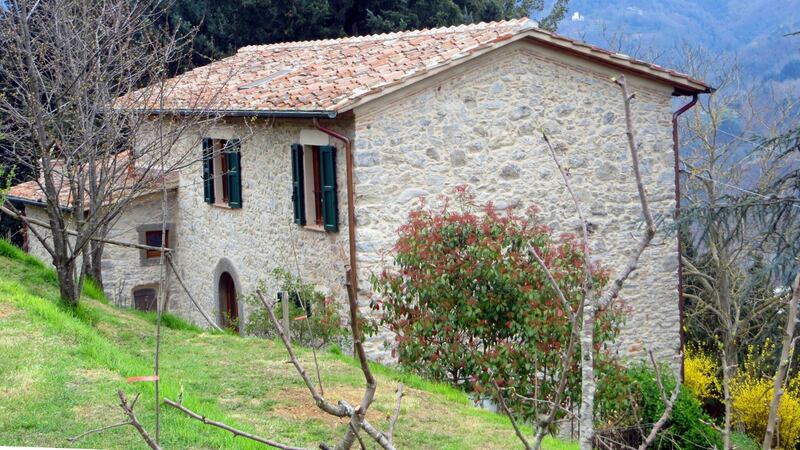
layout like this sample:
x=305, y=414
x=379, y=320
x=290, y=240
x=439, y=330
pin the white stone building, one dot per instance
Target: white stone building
x=415, y=114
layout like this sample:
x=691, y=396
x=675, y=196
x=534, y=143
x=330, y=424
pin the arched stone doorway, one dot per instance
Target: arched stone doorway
x=227, y=290
x=228, y=302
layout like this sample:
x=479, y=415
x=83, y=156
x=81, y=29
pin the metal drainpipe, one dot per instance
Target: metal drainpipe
x=676, y=151
x=351, y=208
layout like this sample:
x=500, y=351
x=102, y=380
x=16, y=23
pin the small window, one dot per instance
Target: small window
x=153, y=239
x=314, y=186
x=144, y=298
x=150, y=235
x=222, y=182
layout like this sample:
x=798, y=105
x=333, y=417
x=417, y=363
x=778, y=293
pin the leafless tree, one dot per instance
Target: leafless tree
x=66, y=64
x=783, y=365
x=741, y=224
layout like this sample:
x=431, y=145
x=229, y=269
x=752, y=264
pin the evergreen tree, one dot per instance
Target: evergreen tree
x=223, y=26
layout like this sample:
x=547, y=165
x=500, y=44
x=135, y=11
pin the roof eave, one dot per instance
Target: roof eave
x=682, y=85
x=39, y=203
x=300, y=114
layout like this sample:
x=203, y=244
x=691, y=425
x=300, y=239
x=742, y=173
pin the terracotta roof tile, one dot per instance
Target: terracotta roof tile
x=331, y=75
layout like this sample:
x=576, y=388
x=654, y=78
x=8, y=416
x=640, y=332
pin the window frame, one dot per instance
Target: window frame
x=316, y=190
x=152, y=257
x=312, y=187
x=303, y=189
x=218, y=160
x=155, y=253
x=154, y=287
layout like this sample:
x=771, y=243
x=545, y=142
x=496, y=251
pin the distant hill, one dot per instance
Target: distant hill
x=753, y=30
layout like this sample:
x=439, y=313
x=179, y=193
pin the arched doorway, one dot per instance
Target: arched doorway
x=228, y=304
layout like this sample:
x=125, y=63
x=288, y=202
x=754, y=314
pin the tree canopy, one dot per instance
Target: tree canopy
x=222, y=26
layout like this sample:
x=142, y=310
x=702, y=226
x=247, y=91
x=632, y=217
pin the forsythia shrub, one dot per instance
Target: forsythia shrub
x=751, y=393
x=471, y=307
x=700, y=374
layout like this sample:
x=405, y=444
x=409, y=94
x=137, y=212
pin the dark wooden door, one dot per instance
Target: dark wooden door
x=228, y=302
x=144, y=299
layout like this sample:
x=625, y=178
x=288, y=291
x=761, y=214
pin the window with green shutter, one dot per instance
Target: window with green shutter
x=330, y=210
x=208, y=170
x=298, y=185
x=234, y=175
x=222, y=172
x=314, y=194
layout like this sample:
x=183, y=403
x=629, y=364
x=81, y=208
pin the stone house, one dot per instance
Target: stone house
x=323, y=147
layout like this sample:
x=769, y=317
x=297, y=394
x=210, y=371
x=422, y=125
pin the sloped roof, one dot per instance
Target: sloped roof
x=331, y=76
x=143, y=181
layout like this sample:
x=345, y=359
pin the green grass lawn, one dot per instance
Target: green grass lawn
x=60, y=369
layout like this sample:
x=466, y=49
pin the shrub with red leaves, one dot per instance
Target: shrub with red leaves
x=469, y=305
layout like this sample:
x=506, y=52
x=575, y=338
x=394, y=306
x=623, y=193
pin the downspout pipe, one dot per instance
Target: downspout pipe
x=351, y=204
x=676, y=152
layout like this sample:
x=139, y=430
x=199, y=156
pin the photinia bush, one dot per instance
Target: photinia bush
x=469, y=306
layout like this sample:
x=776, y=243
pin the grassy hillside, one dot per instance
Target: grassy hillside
x=60, y=370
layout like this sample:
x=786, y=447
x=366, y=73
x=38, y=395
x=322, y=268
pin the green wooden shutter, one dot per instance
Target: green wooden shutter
x=330, y=209
x=234, y=178
x=298, y=191
x=208, y=170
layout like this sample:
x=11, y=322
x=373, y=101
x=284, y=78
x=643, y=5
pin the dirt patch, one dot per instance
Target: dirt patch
x=94, y=411
x=95, y=375
x=107, y=329
x=296, y=403
x=6, y=309
x=21, y=382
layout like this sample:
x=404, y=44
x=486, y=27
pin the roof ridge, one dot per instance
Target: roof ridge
x=522, y=23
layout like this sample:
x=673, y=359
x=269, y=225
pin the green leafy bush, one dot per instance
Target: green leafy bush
x=315, y=317
x=689, y=425
x=470, y=306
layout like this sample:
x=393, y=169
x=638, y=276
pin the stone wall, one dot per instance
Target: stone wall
x=123, y=269
x=252, y=241
x=479, y=125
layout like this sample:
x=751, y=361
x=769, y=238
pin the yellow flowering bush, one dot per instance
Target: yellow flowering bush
x=751, y=392
x=700, y=374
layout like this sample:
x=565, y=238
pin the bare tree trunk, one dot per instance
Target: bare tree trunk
x=588, y=382
x=783, y=365
x=66, y=281
x=96, y=258
x=726, y=393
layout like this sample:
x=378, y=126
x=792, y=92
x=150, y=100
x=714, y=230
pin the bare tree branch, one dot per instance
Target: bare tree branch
x=235, y=431
x=98, y=430
x=510, y=415
x=39, y=223
x=189, y=294
x=564, y=302
x=132, y=421
x=783, y=365
x=343, y=409
x=669, y=403
x=396, y=415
